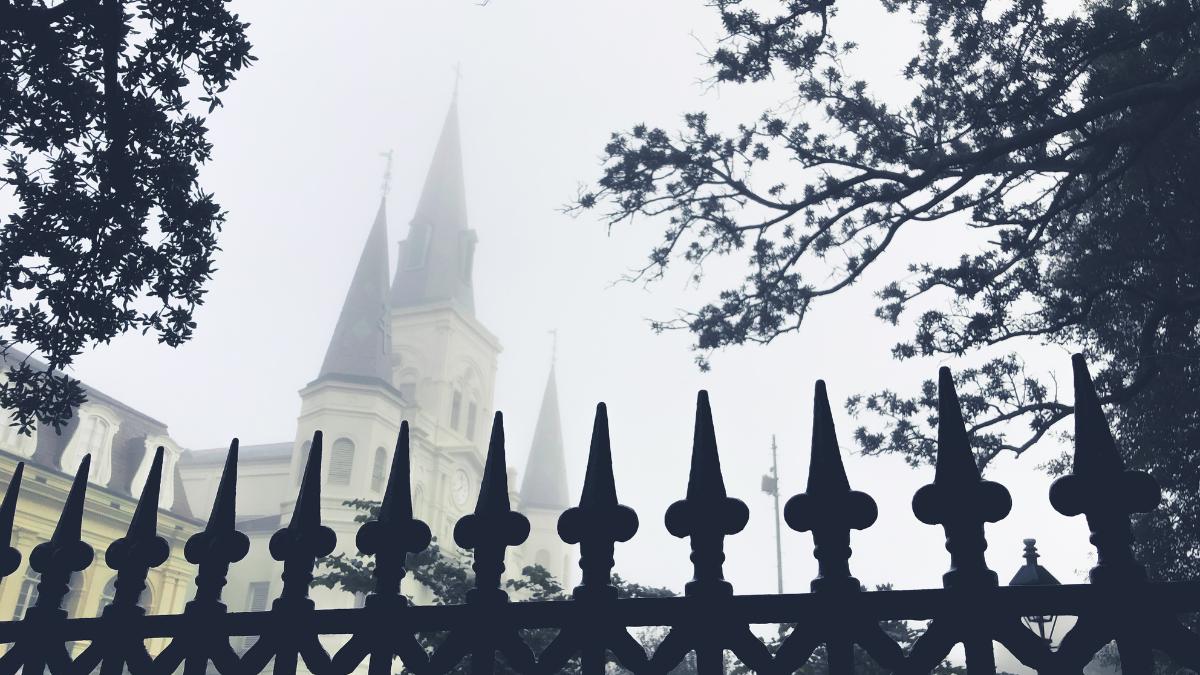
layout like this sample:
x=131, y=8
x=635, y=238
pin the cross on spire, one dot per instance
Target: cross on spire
x=387, y=170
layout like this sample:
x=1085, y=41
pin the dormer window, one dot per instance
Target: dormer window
x=171, y=452
x=468, y=255
x=97, y=428
x=14, y=441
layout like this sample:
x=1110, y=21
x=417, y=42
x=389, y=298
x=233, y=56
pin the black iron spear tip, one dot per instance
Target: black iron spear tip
x=307, y=512
x=397, y=495
x=70, y=523
x=1095, y=448
x=144, y=523
x=826, y=473
x=705, y=480
x=955, y=461
x=599, y=486
x=223, y=516
x=10, y=558
x=493, y=492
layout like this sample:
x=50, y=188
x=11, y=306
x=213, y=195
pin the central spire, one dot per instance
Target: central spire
x=436, y=259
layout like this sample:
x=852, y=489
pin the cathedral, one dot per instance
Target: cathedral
x=407, y=346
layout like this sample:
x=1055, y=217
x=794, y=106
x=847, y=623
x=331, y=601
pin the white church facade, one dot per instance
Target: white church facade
x=407, y=346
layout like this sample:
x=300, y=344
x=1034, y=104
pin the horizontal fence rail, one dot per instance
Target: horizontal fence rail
x=709, y=620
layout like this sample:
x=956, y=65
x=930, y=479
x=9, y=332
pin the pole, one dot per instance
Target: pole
x=778, y=540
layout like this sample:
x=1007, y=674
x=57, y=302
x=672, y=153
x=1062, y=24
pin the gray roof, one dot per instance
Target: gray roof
x=545, y=482
x=246, y=454
x=360, y=344
x=128, y=447
x=436, y=259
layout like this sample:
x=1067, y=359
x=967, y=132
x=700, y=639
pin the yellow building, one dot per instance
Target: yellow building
x=121, y=441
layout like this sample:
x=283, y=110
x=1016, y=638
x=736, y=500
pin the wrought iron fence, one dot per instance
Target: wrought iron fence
x=709, y=620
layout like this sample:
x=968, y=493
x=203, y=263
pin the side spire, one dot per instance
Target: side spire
x=436, y=258
x=360, y=345
x=545, y=483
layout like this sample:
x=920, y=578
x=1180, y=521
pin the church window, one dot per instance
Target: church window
x=341, y=462
x=256, y=601
x=456, y=410
x=416, y=246
x=379, y=470
x=15, y=442
x=472, y=413
x=27, y=595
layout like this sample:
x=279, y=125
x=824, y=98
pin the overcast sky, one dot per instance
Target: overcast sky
x=297, y=165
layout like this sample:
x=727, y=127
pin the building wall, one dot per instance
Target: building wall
x=106, y=518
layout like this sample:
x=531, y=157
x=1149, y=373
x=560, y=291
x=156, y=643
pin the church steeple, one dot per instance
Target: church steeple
x=360, y=343
x=437, y=257
x=545, y=482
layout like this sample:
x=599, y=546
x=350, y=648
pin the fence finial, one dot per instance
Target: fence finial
x=829, y=508
x=304, y=539
x=1101, y=488
x=395, y=533
x=599, y=521
x=220, y=544
x=707, y=515
x=66, y=552
x=959, y=499
x=10, y=558
x=494, y=526
x=141, y=548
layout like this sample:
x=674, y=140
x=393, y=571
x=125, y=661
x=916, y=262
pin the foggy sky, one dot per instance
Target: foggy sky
x=297, y=166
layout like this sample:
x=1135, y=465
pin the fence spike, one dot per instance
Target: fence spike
x=493, y=526
x=705, y=480
x=10, y=557
x=959, y=499
x=304, y=539
x=220, y=544
x=955, y=461
x=395, y=533
x=1101, y=488
x=707, y=514
x=141, y=548
x=599, y=521
x=826, y=473
x=66, y=552
x=829, y=508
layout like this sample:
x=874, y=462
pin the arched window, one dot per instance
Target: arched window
x=341, y=462
x=416, y=246
x=472, y=413
x=456, y=409
x=379, y=470
x=27, y=595
x=97, y=428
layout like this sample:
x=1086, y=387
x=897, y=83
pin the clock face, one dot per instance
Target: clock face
x=460, y=487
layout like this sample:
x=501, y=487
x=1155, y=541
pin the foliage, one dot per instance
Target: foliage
x=1052, y=156
x=101, y=148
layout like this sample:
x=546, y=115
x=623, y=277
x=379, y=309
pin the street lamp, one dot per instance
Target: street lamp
x=1033, y=574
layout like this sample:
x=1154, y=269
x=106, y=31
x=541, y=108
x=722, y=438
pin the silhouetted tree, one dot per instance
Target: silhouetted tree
x=101, y=148
x=1062, y=148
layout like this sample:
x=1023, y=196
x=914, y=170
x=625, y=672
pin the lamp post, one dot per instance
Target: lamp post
x=1033, y=574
